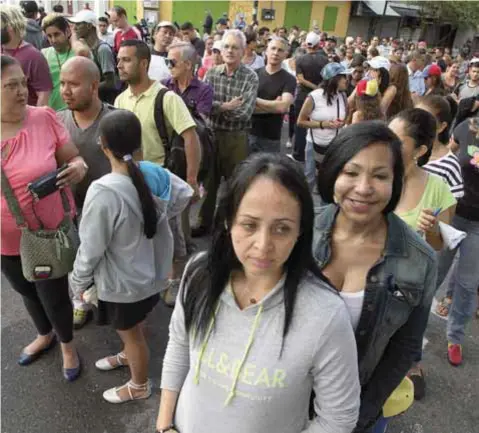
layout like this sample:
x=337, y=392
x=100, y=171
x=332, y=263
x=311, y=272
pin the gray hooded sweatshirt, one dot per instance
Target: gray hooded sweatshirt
x=34, y=34
x=235, y=380
x=114, y=251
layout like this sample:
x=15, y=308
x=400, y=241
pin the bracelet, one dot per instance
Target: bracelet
x=321, y=124
x=166, y=429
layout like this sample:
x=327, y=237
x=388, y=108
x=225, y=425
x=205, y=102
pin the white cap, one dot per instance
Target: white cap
x=165, y=24
x=379, y=62
x=85, y=16
x=312, y=39
x=217, y=45
x=474, y=60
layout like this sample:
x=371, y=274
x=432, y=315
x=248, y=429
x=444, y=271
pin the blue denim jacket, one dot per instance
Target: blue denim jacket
x=397, y=300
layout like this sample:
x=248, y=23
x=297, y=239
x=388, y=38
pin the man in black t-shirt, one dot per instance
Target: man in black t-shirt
x=275, y=95
x=308, y=74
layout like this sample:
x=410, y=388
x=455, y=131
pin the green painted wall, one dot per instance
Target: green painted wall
x=194, y=11
x=298, y=13
x=130, y=8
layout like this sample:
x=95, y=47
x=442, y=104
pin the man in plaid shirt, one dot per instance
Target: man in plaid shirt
x=235, y=88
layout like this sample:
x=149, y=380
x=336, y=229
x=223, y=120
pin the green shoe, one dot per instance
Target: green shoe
x=81, y=317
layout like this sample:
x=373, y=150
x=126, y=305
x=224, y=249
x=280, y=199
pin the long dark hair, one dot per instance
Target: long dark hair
x=383, y=79
x=348, y=143
x=330, y=88
x=421, y=127
x=121, y=133
x=442, y=111
x=210, y=274
x=400, y=79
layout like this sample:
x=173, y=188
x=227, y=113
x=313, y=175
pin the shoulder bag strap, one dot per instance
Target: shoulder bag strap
x=12, y=201
x=160, y=117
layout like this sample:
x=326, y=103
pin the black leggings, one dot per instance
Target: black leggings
x=48, y=302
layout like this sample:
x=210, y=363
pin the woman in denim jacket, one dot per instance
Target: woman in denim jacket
x=384, y=271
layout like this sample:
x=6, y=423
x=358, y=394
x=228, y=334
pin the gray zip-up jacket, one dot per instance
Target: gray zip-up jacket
x=114, y=251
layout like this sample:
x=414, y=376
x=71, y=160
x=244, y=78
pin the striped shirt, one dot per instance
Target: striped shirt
x=449, y=168
x=243, y=83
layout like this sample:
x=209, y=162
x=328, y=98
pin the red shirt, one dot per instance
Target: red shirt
x=130, y=33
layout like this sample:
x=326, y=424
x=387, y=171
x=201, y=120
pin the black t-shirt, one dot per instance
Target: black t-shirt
x=268, y=125
x=468, y=154
x=311, y=65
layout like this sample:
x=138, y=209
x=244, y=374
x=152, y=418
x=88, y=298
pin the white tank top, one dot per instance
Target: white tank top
x=354, y=303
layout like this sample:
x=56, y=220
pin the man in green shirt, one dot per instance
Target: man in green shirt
x=58, y=32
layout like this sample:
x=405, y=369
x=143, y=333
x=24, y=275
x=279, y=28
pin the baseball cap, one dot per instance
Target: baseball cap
x=222, y=21
x=367, y=88
x=432, y=70
x=312, y=39
x=331, y=70
x=379, y=62
x=84, y=16
x=217, y=45
x=400, y=400
x=474, y=60
x=165, y=24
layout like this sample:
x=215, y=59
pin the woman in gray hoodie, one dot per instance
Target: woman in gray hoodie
x=126, y=251
x=257, y=327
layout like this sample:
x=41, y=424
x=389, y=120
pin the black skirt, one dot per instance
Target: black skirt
x=123, y=316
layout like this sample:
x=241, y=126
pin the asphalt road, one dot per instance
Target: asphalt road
x=36, y=399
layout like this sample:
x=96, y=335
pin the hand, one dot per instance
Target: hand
x=196, y=190
x=73, y=174
x=333, y=124
x=233, y=104
x=427, y=222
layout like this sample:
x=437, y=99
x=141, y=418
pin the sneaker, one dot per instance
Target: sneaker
x=417, y=377
x=289, y=144
x=169, y=295
x=454, y=354
x=81, y=317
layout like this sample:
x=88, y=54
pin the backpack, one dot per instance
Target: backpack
x=175, y=157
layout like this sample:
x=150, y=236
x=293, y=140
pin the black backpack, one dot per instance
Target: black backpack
x=175, y=157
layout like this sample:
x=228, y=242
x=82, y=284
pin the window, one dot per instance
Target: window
x=330, y=18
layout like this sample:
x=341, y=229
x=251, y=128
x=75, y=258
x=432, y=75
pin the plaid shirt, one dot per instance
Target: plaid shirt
x=244, y=83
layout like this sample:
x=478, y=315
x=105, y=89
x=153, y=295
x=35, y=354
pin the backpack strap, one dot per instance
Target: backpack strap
x=160, y=118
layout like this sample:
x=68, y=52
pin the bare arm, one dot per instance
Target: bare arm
x=301, y=80
x=43, y=98
x=434, y=238
x=76, y=171
x=280, y=105
x=193, y=156
x=167, y=409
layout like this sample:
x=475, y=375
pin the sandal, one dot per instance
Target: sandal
x=104, y=364
x=444, y=306
x=111, y=395
x=417, y=377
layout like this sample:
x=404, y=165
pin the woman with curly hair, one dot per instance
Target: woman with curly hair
x=400, y=79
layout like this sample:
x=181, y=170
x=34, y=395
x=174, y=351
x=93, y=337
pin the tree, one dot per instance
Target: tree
x=457, y=13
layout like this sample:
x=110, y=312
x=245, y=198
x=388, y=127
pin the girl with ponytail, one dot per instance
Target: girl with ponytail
x=126, y=249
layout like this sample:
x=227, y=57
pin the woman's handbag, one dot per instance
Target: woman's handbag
x=45, y=253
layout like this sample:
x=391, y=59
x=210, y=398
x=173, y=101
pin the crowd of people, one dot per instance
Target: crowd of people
x=320, y=309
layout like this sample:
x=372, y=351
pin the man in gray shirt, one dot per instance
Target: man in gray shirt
x=80, y=79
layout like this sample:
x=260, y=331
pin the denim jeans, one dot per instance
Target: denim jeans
x=261, y=144
x=310, y=165
x=381, y=425
x=464, y=280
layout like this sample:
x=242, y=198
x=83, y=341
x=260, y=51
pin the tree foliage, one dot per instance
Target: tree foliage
x=459, y=13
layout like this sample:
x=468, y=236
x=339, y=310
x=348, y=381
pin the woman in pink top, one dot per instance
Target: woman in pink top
x=34, y=143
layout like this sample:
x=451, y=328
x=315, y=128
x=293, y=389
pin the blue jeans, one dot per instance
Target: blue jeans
x=381, y=425
x=261, y=144
x=464, y=280
x=310, y=165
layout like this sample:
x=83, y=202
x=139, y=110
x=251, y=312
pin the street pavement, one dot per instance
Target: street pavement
x=36, y=399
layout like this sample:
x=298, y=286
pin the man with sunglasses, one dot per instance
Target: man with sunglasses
x=165, y=32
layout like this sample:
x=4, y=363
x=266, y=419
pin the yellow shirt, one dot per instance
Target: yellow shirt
x=177, y=116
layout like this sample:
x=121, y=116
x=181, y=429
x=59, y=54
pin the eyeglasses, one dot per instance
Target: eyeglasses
x=171, y=63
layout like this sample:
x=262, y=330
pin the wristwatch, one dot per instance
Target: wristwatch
x=169, y=429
